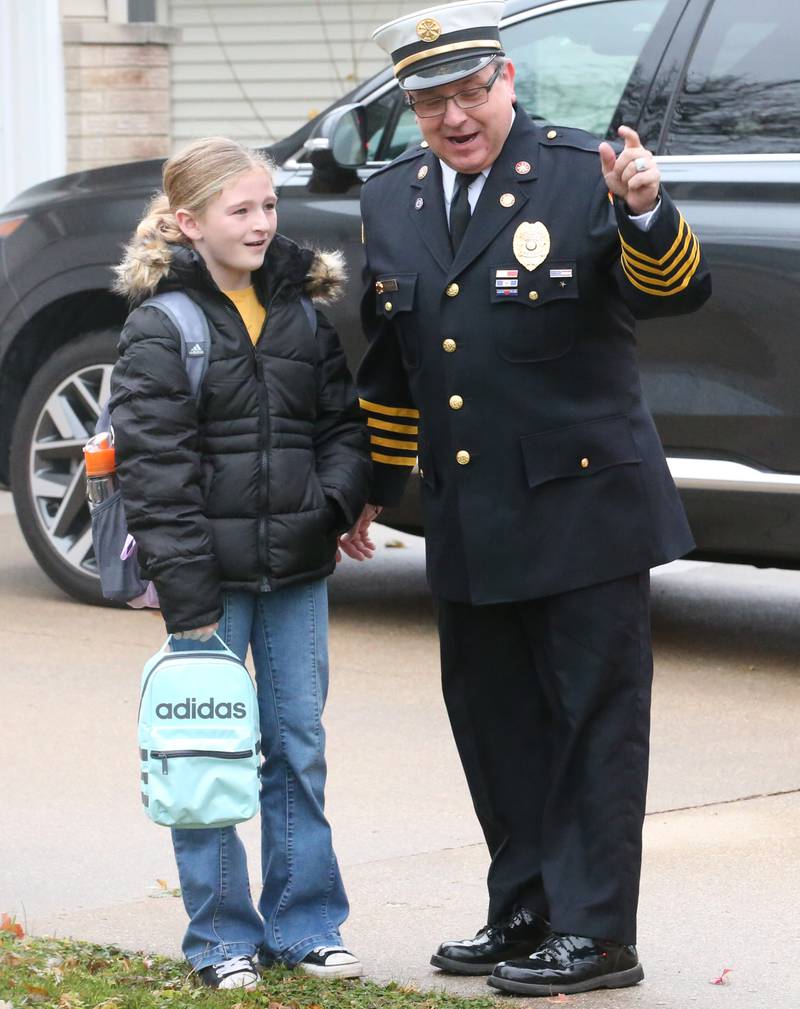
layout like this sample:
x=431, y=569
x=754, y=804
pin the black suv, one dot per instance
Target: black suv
x=713, y=87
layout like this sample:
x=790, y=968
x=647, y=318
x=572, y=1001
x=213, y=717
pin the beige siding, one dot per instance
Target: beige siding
x=256, y=70
x=83, y=10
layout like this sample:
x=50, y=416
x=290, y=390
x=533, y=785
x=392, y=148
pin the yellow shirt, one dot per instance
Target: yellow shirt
x=251, y=310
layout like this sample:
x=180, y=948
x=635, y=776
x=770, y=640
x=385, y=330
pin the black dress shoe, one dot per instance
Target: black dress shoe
x=568, y=964
x=517, y=936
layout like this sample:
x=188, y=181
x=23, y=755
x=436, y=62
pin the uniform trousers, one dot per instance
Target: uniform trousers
x=549, y=702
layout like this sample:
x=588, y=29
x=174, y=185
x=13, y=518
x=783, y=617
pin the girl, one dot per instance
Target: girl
x=236, y=501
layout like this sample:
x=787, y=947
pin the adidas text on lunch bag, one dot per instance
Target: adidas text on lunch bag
x=199, y=741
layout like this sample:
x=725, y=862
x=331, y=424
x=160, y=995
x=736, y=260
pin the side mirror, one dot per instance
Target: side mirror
x=343, y=135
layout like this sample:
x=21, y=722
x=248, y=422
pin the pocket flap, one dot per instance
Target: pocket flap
x=395, y=293
x=580, y=450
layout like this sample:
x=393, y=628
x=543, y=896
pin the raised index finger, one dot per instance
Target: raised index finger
x=630, y=136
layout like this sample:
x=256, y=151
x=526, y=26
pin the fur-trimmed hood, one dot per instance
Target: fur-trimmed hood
x=150, y=264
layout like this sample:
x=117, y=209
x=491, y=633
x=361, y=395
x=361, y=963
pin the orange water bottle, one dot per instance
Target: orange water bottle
x=100, y=459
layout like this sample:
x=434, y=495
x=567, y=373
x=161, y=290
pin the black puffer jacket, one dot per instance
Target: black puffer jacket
x=249, y=487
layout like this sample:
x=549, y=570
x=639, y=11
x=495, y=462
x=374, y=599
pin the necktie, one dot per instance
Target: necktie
x=459, y=209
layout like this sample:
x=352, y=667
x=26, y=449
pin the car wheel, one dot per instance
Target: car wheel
x=58, y=413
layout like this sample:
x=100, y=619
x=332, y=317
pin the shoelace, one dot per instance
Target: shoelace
x=325, y=951
x=233, y=966
x=554, y=949
x=520, y=917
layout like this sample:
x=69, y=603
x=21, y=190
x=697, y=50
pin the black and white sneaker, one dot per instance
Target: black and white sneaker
x=237, y=972
x=331, y=961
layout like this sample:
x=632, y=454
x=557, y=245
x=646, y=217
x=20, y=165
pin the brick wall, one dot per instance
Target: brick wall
x=117, y=93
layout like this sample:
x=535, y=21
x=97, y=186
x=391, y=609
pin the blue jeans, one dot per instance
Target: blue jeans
x=302, y=901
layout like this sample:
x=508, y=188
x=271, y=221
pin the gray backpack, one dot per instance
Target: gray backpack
x=114, y=547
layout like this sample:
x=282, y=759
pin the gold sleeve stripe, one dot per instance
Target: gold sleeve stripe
x=634, y=264
x=385, y=425
x=649, y=259
x=411, y=446
x=693, y=257
x=676, y=290
x=394, y=460
x=389, y=411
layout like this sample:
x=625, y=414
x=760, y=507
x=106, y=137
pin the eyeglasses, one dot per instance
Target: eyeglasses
x=429, y=108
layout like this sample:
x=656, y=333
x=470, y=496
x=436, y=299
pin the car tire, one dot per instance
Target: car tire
x=58, y=413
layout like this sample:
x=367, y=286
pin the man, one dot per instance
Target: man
x=505, y=265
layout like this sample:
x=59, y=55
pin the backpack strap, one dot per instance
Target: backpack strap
x=190, y=321
x=192, y=325
x=310, y=311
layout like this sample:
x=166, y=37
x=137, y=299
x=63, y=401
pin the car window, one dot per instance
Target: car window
x=406, y=133
x=378, y=115
x=741, y=92
x=574, y=65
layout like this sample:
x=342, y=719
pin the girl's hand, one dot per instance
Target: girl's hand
x=356, y=543
x=198, y=633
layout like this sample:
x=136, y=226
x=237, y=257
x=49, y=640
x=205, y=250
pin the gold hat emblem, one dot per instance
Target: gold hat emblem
x=429, y=30
x=531, y=244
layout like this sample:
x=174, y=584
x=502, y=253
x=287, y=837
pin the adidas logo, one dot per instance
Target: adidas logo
x=206, y=709
x=196, y=351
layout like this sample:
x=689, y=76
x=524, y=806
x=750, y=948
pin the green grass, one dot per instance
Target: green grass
x=64, y=974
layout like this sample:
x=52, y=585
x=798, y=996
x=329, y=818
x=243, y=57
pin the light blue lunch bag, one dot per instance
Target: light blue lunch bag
x=199, y=740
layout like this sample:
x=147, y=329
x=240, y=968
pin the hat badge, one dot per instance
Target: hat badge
x=429, y=29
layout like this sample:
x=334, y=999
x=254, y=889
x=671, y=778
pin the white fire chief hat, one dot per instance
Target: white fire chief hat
x=441, y=44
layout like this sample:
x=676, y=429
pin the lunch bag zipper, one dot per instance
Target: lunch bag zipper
x=166, y=755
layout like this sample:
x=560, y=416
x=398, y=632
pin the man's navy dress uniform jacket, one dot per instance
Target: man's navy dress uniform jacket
x=542, y=470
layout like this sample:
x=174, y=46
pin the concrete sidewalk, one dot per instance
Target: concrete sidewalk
x=721, y=884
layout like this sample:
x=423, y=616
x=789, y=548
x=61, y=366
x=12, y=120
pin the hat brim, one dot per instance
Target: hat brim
x=446, y=70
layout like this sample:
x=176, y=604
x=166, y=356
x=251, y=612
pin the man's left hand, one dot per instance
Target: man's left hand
x=633, y=176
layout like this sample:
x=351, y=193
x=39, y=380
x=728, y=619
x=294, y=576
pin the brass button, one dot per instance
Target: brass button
x=462, y=457
x=452, y=290
x=448, y=346
x=534, y=295
x=388, y=306
x=552, y=134
x=584, y=463
x=456, y=402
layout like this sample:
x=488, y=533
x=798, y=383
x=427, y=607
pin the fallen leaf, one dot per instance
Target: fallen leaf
x=165, y=890
x=9, y=925
x=36, y=994
x=721, y=979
